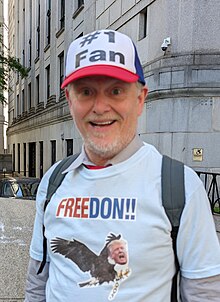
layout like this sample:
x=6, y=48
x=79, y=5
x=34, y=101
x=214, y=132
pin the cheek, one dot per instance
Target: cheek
x=75, y=109
x=132, y=113
x=81, y=110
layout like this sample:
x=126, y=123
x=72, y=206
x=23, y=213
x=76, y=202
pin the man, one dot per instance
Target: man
x=118, y=252
x=114, y=187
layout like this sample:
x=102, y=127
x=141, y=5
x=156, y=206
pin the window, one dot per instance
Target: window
x=48, y=22
x=143, y=24
x=23, y=57
x=53, y=152
x=62, y=14
x=38, y=30
x=23, y=33
x=29, y=97
x=19, y=161
x=18, y=106
x=37, y=90
x=30, y=34
x=41, y=158
x=78, y=8
x=8, y=190
x=61, y=71
x=69, y=147
x=29, y=52
x=80, y=3
x=23, y=109
x=25, y=156
x=48, y=81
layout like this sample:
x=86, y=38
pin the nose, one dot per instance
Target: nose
x=101, y=104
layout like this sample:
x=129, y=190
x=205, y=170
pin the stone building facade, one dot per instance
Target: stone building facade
x=181, y=116
x=2, y=118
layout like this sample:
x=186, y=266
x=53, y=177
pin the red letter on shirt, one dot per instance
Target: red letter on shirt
x=84, y=213
x=69, y=208
x=61, y=206
x=77, y=207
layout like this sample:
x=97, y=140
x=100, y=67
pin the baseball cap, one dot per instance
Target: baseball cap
x=103, y=52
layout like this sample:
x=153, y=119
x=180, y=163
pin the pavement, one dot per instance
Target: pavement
x=16, y=225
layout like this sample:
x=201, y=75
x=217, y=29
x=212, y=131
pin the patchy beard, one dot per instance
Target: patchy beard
x=106, y=150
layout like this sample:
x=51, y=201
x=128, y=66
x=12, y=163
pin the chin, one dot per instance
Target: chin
x=105, y=150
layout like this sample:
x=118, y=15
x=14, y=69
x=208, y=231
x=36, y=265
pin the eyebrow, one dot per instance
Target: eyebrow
x=111, y=81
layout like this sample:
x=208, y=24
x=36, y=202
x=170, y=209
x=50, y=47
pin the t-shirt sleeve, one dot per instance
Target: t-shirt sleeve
x=36, y=247
x=198, y=247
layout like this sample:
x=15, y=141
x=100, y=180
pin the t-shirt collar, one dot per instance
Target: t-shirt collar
x=127, y=152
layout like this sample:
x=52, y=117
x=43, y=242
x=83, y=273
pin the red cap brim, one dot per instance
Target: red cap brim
x=105, y=70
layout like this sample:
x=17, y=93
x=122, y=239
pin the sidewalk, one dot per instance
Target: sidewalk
x=16, y=224
x=217, y=224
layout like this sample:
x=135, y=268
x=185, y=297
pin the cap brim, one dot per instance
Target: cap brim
x=104, y=70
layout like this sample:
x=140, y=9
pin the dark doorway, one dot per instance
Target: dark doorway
x=25, y=154
x=19, y=158
x=32, y=159
x=69, y=147
x=13, y=167
x=53, y=152
x=41, y=159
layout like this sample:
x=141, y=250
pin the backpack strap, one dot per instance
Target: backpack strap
x=173, y=198
x=173, y=189
x=55, y=181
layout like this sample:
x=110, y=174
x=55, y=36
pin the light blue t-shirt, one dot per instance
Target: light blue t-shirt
x=94, y=207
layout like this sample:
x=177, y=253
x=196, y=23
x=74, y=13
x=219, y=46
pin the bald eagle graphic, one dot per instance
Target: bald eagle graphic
x=100, y=268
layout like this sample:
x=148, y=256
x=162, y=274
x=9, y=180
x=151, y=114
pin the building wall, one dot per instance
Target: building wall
x=2, y=119
x=181, y=113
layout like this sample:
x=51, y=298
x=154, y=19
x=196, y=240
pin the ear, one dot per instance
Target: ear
x=141, y=99
x=67, y=94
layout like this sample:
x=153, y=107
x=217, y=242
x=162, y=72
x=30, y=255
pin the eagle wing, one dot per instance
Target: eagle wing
x=76, y=251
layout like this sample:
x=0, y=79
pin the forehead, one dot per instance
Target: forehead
x=116, y=245
x=100, y=80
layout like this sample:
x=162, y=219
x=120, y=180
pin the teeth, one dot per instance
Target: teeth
x=102, y=123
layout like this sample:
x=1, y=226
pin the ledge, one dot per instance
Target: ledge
x=188, y=92
x=36, y=60
x=59, y=112
x=51, y=101
x=46, y=47
x=78, y=11
x=59, y=33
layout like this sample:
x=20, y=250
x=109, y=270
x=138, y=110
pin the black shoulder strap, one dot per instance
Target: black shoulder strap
x=57, y=176
x=173, y=189
x=173, y=198
x=55, y=181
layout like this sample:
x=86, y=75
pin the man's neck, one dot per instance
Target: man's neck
x=124, y=154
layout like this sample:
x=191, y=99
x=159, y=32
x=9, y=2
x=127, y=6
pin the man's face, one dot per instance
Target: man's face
x=118, y=253
x=105, y=111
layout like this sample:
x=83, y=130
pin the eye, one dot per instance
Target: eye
x=116, y=91
x=86, y=92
